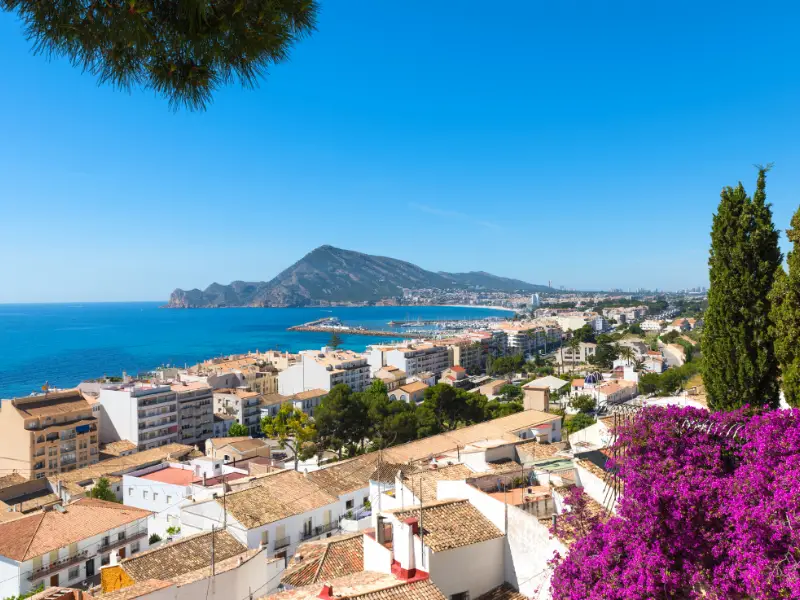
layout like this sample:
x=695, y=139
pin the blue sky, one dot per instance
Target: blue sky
x=579, y=142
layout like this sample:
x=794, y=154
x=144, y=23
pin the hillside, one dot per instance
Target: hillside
x=331, y=275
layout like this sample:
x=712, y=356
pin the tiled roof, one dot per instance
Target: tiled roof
x=327, y=559
x=247, y=445
x=416, y=386
x=449, y=524
x=224, y=441
x=417, y=590
x=592, y=468
x=309, y=394
x=502, y=428
x=535, y=449
x=11, y=479
x=273, y=399
x=346, y=476
x=121, y=464
x=118, y=447
x=181, y=557
x=38, y=534
x=428, y=479
x=503, y=592
x=52, y=404
x=137, y=590
x=366, y=585
x=277, y=496
x=386, y=472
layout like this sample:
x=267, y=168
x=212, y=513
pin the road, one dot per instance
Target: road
x=670, y=356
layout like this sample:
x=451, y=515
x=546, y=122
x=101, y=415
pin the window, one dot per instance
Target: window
x=106, y=540
x=134, y=547
x=104, y=560
x=460, y=596
x=155, y=496
x=130, y=491
x=74, y=573
x=121, y=535
x=169, y=499
x=144, y=494
x=348, y=505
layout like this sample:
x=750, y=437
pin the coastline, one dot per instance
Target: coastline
x=488, y=307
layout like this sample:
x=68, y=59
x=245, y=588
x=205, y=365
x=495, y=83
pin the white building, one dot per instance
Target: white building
x=244, y=406
x=195, y=412
x=323, y=370
x=580, y=355
x=144, y=414
x=412, y=357
x=66, y=546
x=651, y=325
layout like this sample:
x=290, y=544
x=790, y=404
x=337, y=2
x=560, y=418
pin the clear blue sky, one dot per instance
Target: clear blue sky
x=579, y=142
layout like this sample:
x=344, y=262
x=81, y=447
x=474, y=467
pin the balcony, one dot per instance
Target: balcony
x=318, y=531
x=119, y=543
x=162, y=423
x=67, y=447
x=68, y=435
x=58, y=565
x=283, y=542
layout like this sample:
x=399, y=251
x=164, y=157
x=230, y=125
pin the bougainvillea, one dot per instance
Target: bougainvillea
x=710, y=509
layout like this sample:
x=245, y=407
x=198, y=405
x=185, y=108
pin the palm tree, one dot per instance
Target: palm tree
x=627, y=353
x=574, y=344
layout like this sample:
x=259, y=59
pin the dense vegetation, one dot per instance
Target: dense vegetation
x=238, y=430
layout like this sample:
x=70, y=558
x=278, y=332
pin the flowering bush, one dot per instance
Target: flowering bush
x=708, y=512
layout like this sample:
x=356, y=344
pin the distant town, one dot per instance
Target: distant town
x=262, y=470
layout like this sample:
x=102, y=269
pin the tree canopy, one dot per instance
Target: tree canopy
x=102, y=491
x=293, y=429
x=740, y=366
x=184, y=50
x=238, y=430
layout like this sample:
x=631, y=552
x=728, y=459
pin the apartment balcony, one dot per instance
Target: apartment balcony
x=64, y=563
x=68, y=459
x=68, y=447
x=119, y=543
x=283, y=542
x=318, y=531
x=161, y=423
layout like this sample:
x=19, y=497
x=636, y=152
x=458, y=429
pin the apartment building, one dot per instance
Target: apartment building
x=241, y=404
x=67, y=545
x=195, y=412
x=467, y=352
x=323, y=370
x=580, y=355
x=413, y=357
x=48, y=434
x=145, y=414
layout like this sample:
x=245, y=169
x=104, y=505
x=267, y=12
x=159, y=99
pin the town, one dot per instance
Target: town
x=332, y=473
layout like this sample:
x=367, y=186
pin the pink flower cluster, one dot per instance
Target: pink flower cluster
x=709, y=510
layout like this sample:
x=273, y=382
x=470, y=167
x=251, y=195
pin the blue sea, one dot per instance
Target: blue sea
x=63, y=344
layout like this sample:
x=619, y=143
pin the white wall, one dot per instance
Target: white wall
x=592, y=484
x=258, y=576
x=120, y=417
x=376, y=557
x=475, y=568
x=164, y=499
x=10, y=581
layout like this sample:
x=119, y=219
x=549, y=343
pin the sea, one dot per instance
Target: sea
x=64, y=344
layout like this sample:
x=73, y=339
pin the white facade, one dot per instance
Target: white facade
x=413, y=359
x=651, y=325
x=323, y=370
x=73, y=564
x=143, y=414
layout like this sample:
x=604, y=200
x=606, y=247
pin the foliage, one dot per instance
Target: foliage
x=577, y=422
x=605, y=354
x=585, y=334
x=670, y=381
x=740, y=364
x=583, y=403
x=453, y=407
x=504, y=365
x=671, y=337
x=182, y=49
x=293, y=430
x=102, y=491
x=785, y=317
x=335, y=340
x=635, y=329
x=495, y=409
x=238, y=430
x=390, y=421
x=341, y=419
x=511, y=392
x=580, y=520
x=714, y=515
x=154, y=539
x=173, y=530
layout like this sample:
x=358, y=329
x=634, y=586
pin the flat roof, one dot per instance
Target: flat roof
x=171, y=475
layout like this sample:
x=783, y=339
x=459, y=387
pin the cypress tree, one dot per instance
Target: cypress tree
x=785, y=299
x=739, y=356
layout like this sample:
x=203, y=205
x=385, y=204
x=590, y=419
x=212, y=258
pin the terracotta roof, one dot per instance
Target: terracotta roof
x=273, y=399
x=113, y=468
x=308, y=394
x=416, y=386
x=38, y=534
x=429, y=478
x=327, y=559
x=276, y=497
x=457, y=369
x=502, y=428
x=592, y=468
x=224, y=441
x=503, y=592
x=223, y=417
x=578, y=382
x=346, y=476
x=11, y=479
x=184, y=556
x=118, y=447
x=366, y=585
x=137, y=590
x=247, y=445
x=52, y=404
x=417, y=590
x=172, y=475
x=449, y=524
x=536, y=450
x=386, y=472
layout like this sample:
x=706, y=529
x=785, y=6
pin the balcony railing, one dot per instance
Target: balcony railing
x=318, y=530
x=58, y=565
x=283, y=542
x=118, y=543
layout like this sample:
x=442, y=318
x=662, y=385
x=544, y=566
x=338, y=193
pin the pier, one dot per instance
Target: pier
x=358, y=331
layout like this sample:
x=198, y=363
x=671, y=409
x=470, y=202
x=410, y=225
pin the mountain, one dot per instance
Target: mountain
x=331, y=275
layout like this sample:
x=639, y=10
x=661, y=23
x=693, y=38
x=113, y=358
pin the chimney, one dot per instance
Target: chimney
x=380, y=530
x=113, y=559
x=204, y=479
x=413, y=523
x=326, y=593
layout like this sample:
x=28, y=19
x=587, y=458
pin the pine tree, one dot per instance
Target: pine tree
x=785, y=315
x=183, y=49
x=739, y=357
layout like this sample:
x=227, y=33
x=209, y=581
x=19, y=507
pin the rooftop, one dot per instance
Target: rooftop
x=172, y=475
x=38, y=534
x=416, y=386
x=366, y=585
x=326, y=559
x=502, y=592
x=118, y=447
x=425, y=480
x=449, y=524
x=309, y=394
x=346, y=476
x=11, y=479
x=184, y=556
x=51, y=404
